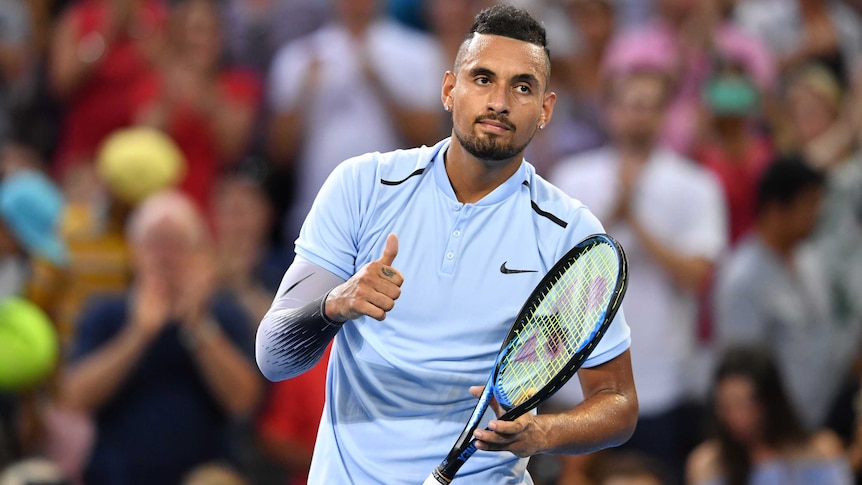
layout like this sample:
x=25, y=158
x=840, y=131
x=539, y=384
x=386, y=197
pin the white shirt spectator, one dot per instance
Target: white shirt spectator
x=683, y=207
x=343, y=114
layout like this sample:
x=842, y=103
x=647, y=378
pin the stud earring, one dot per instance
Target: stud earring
x=542, y=126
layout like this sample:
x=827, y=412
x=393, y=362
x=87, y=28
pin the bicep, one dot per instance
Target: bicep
x=613, y=376
x=303, y=282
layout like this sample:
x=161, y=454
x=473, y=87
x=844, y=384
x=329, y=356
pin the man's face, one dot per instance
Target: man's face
x=498, y=96
x=802, y=213
x=636, y=109
x=163, y=252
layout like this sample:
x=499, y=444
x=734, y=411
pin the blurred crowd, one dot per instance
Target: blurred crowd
x=158, y=158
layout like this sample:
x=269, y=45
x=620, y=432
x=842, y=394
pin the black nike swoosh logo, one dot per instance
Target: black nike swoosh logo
x=505, y=270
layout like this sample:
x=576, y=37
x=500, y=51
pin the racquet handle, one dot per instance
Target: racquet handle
x=436, y=479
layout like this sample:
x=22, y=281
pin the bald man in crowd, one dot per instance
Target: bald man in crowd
x=163, y=368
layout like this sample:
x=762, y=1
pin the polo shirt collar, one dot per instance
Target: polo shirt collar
x=510, y=187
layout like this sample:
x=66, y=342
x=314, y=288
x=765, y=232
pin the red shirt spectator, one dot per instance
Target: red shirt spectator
x=289, y=421
x=100, y=49
x=206, y=108
x=191, y=126
x=738, y=175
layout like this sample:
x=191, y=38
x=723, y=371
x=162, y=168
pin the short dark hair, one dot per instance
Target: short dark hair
x=508, y=21
x=785, y=179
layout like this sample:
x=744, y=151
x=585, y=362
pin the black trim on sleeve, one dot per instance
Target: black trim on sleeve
x=556, y=220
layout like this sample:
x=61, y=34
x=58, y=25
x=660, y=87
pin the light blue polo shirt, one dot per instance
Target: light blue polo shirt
x=397, y=390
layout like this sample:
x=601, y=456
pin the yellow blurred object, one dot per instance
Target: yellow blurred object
x=28, y=344
x=136, y=162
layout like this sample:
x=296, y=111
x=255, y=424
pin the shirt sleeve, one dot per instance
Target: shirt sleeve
x=100, y=321
x=286, y=76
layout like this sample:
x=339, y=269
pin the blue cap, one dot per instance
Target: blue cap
x=31, y=207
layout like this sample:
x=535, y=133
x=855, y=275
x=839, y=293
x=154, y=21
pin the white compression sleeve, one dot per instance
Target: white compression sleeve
x=295, y=331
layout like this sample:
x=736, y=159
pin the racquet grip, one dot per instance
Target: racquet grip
x=435, y=478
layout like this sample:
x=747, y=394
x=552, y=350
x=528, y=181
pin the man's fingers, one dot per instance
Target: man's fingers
x=389, y=251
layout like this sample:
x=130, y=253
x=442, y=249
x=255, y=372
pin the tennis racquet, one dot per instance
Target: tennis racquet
x=556, y=330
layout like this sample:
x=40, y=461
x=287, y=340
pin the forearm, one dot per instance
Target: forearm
x=290, y=341
x=416, y=126
x=285, y=137
x=294, y=333
x=231, y=378
x=688, y=272
x=606, y=419
x=94, y=380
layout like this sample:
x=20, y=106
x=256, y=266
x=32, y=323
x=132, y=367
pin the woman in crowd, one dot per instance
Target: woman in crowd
x=758, y=438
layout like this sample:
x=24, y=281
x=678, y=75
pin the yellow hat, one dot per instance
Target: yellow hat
x=136, y=162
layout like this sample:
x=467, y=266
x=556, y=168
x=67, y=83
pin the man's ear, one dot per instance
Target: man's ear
x=547, y=108
x=446, y=91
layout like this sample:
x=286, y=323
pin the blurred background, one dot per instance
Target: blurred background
x=157, y=159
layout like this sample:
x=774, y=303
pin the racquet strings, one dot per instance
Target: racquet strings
x=561, y=320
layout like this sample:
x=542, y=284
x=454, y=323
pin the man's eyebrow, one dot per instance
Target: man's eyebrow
x=482, y=71
x=519, y=78
x=526, y=78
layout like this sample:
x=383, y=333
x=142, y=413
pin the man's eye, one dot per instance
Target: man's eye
x=482, y=80
x=524, y=89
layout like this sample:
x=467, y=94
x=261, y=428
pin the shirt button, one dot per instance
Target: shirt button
x=450, y=255
x=457, y=233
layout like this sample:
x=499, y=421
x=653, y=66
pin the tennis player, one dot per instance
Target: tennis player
x=417, y=261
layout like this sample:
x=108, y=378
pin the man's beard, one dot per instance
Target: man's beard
x=489, y=148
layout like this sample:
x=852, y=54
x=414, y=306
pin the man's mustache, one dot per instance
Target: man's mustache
x=498, y=118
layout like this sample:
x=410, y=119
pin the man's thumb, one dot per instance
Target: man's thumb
x=390, y=250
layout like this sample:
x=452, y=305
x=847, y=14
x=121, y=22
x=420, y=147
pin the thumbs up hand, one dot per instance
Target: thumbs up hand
x=372, y=291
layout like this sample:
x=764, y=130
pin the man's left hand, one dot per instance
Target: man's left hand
x=523, y=437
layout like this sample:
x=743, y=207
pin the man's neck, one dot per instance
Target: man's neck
x=634, y=152
x=471, y=178
x=773, y=238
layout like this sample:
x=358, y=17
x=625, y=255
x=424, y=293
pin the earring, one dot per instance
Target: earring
x=542, y=126
x=446, y=107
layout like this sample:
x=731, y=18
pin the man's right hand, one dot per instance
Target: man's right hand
x=371, y=291
x=151, y=305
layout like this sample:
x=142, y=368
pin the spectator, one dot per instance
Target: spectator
x=242, y=217
x=669, y=215
x=256, y=29
x=30, y=210
x=130, y=164
x=288, y=423
x=208, y=109
x=578, y=122
x=733, y=148
x=448, y=20
x=16, y=39
x=164, y=367
x=100, y=48
x=758, y=438
x=764, y=295
x=799, y=32
x=362, y=83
